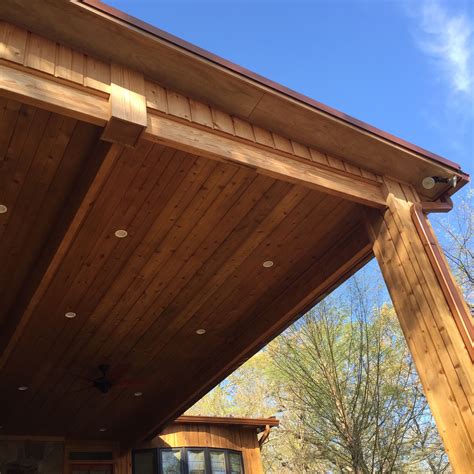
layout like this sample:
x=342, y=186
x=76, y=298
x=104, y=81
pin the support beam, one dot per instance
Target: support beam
x=128, y=116
x=125, y=119
x=190, y=138
x=446, y=371
x=53, y=95
x=451, y=291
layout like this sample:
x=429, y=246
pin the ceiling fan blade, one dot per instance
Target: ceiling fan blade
x=118, y=371
x=83, y=389
x=138, y=382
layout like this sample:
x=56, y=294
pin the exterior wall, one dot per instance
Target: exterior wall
x=233, y=437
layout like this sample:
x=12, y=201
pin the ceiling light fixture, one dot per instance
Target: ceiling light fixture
x=102, y=429
x=268, y=264
x=138, y=394
x=70, y=315
x=201, y=332
x=430, y=181
x=121, y=233
x=3, y=209
x=22, y=388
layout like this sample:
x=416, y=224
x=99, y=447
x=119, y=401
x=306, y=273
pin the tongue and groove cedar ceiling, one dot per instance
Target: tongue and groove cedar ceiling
x=206, y=185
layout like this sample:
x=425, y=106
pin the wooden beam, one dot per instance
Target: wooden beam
x=436, y=206
x=128, y=115
x=62, y=237
x=191, y=138
x=443, y=363
x=125, y=119
x=451, y=291
x=264, y=437
x=53, y=95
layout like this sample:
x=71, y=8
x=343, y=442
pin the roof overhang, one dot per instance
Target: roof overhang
x=245, y=422
x=237, y=223
x=163, y=57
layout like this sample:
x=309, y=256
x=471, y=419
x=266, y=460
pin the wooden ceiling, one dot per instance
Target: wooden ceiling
x=198, y=234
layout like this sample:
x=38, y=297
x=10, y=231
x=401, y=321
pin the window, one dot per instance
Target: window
x=218, y=464
x=187, y=461
x=235, y=461
x=91, y=456
x=171, y=461
x=196, y=462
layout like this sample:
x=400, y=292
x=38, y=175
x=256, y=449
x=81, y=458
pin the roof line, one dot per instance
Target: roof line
x=227, y=420
x=176, y=41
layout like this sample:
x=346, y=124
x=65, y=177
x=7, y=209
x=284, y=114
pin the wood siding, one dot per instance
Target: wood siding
x=234, y=437
x=37, y=52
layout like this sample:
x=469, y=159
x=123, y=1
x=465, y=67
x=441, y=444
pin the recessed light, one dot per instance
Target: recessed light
x=121, y=233
x=268, y=264
x=102, y=429
x=70, y=315
x=22, y=388
x=138, y=394
x=3, y=209
x=201, y=332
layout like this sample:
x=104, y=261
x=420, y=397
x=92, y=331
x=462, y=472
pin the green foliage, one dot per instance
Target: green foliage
x=350, y=381
x=247, y=392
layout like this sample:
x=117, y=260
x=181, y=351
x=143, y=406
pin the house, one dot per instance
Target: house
x=165, y=213
x=191, y=444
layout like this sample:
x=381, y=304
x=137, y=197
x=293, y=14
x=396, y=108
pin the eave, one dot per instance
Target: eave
x=231, y=88
x=245, y=422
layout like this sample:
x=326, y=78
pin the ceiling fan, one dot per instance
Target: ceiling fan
x=105, y=382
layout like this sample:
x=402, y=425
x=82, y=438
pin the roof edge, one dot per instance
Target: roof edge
x=227, y=420
x=261, y=80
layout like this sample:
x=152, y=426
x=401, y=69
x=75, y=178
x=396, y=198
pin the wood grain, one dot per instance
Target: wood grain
x=441, y=359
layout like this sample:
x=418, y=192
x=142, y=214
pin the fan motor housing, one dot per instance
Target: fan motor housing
x=103, y=385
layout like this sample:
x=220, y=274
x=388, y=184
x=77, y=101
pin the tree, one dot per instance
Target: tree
x=458, y=244
x=343, y=384
x=350, y=382
x=247, y=392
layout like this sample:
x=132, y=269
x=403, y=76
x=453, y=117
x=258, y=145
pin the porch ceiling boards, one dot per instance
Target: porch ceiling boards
x=198, y=230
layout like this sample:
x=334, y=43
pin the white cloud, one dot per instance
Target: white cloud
x=448, y=38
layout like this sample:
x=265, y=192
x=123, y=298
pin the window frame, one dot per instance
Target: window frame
x=157, y=458
x=156, y=463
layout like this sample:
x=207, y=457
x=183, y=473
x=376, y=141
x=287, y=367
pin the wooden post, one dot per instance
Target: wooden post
x=426, y=316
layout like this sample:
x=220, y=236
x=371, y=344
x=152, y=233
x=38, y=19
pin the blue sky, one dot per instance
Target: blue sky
x=403, y=66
